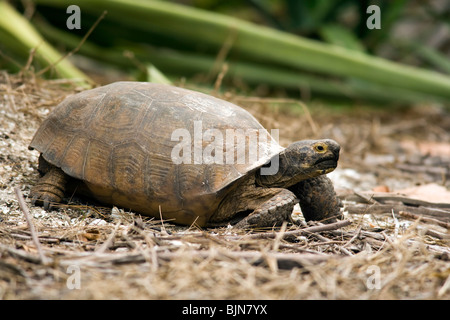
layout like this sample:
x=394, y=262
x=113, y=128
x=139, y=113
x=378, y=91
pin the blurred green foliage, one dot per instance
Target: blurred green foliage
x=344, y=22
x=200, y=47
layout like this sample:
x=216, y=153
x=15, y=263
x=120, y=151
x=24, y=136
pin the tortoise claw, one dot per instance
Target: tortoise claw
x=274, y=211
x=44, y=199
x=46, y=204
x=49, y=189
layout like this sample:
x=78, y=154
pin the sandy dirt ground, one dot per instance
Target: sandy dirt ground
x=393, y=176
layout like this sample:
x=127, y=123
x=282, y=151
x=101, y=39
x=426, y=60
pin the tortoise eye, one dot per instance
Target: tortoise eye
x=321, y=148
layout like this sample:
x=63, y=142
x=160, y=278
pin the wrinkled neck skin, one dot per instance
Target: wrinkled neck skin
x=290, y=172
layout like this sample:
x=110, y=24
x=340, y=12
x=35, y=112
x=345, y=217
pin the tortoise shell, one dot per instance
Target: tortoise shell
x=124, y=141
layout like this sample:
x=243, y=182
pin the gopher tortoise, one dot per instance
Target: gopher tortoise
x=189, y=157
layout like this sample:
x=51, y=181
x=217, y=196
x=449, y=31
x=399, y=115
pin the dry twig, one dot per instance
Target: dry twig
x=299, y=232
x=34, y=235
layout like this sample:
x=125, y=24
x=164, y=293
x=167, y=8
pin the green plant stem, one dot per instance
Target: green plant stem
x=21, y=34
x=187, y=63
x=264, y=43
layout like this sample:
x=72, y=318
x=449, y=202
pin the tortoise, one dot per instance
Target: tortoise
x=161, y=150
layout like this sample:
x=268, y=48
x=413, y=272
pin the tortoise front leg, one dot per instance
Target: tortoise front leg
x=318, y=200
x=50, y=188
x=272, y=212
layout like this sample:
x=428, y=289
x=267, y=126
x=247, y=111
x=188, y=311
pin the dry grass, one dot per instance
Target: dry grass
x=119, y=255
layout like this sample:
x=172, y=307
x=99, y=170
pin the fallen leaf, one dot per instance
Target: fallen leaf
x=91, y=235
x=381, y=189
x=431, y=192
x=438, y=149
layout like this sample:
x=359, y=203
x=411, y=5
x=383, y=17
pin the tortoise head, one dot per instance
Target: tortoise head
x=299, y=161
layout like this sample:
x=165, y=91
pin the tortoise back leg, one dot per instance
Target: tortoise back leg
x=274, y=211
x=50, y=187
x=318, y=200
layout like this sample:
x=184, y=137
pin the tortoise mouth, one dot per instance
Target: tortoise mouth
x=326, y=164
x=325, y=171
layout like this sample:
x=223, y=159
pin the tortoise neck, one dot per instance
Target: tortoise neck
x=272, y=174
